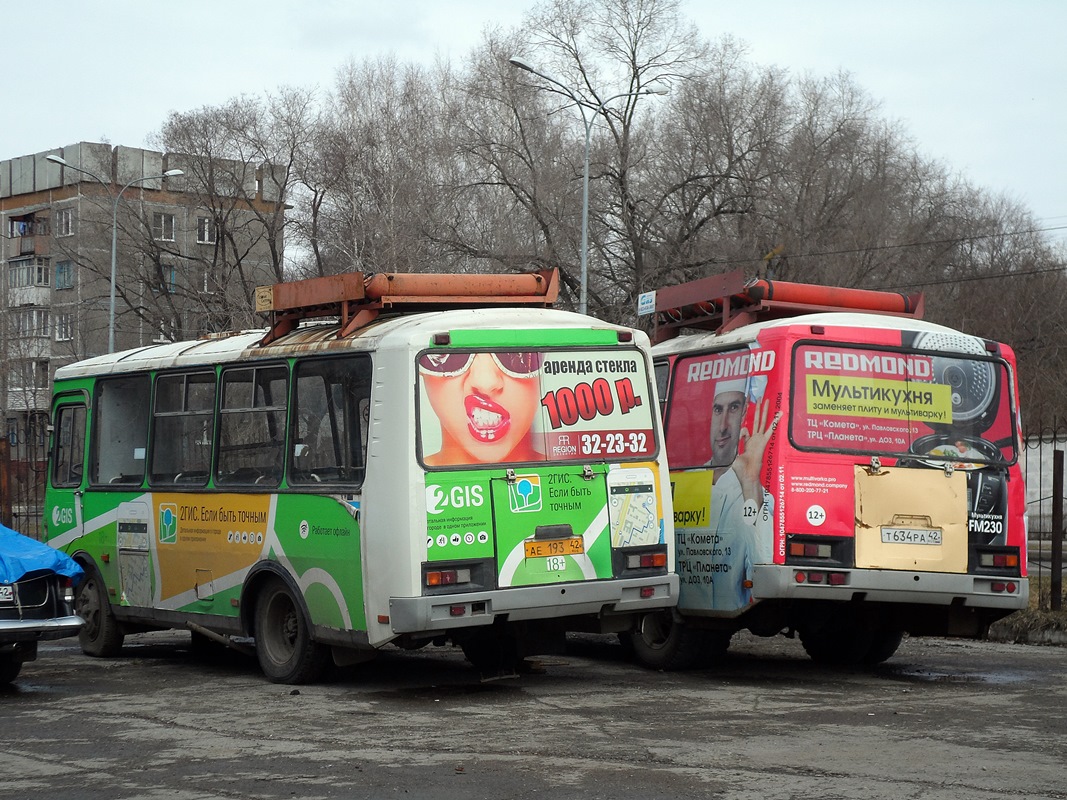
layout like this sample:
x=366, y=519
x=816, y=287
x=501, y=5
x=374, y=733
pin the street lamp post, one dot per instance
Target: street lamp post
x=170, y=173
x=587, y=120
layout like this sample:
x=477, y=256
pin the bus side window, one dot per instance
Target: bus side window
x=120, y=431
x=252, y=426
x=329, y=436
x=663, y=374
x=69, y=454
x=182, y=424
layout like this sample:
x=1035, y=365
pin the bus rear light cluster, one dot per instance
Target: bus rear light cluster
x=828, y=578
x=465, y=609
x=810, y=550
x=646, y=560
x=999, y=560
x=448, y=577
x=1002, y=587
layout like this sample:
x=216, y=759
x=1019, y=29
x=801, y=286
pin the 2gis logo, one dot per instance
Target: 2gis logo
x=525, y=493
x=439, y=498
x=168, y=523
x=62, y=516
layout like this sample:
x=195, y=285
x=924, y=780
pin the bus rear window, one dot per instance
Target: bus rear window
x=505, y=406
x=943, y=406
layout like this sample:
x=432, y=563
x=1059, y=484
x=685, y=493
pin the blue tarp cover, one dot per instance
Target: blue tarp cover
x=20, y=555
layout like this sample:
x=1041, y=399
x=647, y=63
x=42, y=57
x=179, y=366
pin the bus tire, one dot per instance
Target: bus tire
x=839, y=642
x=101, y=635
x=284, y=647
x=883, y=645
x=10, y=667
x=663, y=641
x=492, y=651
x=714, y=645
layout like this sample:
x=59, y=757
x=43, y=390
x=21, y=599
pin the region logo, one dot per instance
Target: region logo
x=168, y=523
x=525, y=494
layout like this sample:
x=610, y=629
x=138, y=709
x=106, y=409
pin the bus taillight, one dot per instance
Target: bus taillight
x=451, y=577
x=999, y=560
x=828, y=578
x=1009, y=587
x=646, y=560
x=448, y=577
x=996, y=560
x=809, y=550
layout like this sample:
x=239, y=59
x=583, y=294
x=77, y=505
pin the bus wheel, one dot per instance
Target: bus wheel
x=883, y=645
x=663, y=641
x=839, y=641
x=284, y=647
x=714, y=644
x=101, y=635
x=493, y=652
x=10, y=667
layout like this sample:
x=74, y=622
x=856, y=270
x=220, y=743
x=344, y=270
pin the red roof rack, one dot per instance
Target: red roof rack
x=724, y=302
x=357, y=298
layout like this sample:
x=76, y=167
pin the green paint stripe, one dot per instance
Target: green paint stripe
x=548, y=337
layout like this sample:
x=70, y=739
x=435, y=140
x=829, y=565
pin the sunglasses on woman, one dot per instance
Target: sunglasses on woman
x=449, y=365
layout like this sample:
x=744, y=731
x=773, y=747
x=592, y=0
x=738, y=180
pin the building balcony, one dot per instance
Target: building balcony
x=28, y=398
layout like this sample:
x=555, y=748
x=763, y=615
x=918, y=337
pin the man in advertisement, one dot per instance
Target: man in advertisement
x=741, y=509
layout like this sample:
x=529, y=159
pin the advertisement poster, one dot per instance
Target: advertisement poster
x=506, y=406
x=722, y=418
x=891, y=402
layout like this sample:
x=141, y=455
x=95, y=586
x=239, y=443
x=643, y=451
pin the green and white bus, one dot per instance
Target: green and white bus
x=398, y=459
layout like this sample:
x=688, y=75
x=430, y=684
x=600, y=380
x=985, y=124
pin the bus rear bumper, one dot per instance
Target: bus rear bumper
x=775, y=582
x=444, y=612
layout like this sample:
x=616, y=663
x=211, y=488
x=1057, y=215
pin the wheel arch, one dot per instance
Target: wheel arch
x=258, y=577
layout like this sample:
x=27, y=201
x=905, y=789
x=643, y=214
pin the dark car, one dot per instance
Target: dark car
x=36, y=599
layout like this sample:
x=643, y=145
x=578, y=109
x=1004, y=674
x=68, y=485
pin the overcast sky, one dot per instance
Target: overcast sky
x=977, y=84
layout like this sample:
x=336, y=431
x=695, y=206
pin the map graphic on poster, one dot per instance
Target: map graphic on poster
x=632, y=508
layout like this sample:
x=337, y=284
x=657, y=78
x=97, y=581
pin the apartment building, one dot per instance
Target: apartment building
x=186, y=238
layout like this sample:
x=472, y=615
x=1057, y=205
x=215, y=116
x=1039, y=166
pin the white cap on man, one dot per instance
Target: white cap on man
x=731, y=385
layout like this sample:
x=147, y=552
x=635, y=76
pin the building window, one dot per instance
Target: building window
x=29, y=272
x=27, y=225
x=29, y=375
x=164, y=280
x=31, y=321
x=64, y=327
x=163, y=226
x=65, y=222
x=168, y=332
x=64, y=275
x=205, y=230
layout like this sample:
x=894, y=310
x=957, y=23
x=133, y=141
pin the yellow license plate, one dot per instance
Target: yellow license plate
x=573, y=546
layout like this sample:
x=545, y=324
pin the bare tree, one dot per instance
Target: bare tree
x=243, y=162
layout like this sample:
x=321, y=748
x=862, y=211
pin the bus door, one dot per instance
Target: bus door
x=578, y=427
x=911, y=519
x=69, y=418
x=930, y=433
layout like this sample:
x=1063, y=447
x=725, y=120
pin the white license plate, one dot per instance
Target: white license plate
x=7, y=594
x=911, y=536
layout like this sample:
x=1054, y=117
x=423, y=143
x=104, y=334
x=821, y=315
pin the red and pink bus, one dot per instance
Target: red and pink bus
x=841, y=470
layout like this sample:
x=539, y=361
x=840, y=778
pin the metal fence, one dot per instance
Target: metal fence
x=1043, y=475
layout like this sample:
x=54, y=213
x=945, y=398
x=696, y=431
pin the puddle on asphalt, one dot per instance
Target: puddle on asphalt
x=916, y=674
